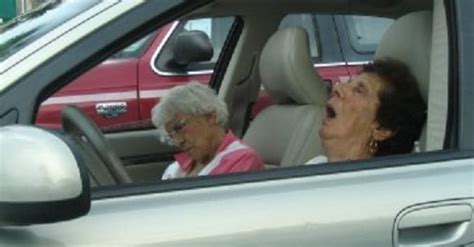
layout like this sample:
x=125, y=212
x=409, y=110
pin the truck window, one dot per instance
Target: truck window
x=135, y=49
x=365, y=32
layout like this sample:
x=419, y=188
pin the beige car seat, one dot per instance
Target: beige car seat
x=286, y=133
x=419, y=40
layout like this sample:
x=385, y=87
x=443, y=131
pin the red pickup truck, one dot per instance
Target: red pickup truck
x=120, y=92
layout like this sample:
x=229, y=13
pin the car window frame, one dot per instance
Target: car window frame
x=452, y=152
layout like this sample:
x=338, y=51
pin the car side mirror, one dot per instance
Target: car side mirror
x=42, y=177
x=190, y=47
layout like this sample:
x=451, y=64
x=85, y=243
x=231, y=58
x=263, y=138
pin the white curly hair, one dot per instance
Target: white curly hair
x=193, y=98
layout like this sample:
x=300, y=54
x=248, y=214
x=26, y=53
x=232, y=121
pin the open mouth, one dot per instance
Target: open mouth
x=330, y=112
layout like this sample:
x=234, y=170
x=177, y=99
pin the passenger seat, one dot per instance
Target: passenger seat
x=286, y=133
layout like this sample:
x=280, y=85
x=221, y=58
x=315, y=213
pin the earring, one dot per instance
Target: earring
x=373, y=146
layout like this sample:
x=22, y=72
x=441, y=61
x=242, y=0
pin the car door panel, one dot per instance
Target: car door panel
x=143, y=154
x=346, y=209
x=435, y=224
x=107, y=94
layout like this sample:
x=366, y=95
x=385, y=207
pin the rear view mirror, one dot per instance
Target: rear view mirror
x=42, y=179
x=190, y=47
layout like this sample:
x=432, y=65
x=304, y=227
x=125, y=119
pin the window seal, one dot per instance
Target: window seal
x=395, y=161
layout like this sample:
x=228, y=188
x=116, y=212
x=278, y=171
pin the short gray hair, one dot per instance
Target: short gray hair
x=193, y=98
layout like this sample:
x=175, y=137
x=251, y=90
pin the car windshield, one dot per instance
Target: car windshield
x=25, y=29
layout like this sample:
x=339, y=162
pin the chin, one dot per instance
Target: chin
x=323, y=132
x=193, y=155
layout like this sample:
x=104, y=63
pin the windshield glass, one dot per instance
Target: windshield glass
x=25, y=29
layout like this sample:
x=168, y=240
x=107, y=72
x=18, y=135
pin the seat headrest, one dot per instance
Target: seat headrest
x=287, y=71
x=408, y=40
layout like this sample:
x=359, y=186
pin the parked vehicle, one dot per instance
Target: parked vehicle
x=66, y=188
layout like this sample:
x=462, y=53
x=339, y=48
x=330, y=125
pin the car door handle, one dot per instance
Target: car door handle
x=111, y=109
x=434, y=226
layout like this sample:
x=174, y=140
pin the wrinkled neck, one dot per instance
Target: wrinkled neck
x=347, y=149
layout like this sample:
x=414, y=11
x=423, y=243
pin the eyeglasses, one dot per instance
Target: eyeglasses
x=177, y=126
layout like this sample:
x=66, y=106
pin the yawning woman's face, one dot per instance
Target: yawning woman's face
x=351, y=109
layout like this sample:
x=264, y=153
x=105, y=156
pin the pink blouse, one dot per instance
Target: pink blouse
x=231, y=156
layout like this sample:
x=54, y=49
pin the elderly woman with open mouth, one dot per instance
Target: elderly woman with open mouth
x=194, y=119
x=378, y=112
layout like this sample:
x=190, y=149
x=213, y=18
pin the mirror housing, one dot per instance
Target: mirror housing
x=191, y=47
x=43, y=178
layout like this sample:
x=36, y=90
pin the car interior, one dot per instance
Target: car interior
x=285, y=134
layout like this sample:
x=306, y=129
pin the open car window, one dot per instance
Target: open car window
x=118, y=94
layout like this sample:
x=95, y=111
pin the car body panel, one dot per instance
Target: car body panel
x=114, y=81
x=316, y=209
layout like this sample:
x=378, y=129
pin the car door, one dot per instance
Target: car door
x=107, y=94
x=392, y=201
x=399, y=205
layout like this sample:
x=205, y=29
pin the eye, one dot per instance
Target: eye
x=360, y=88
x=179, y=125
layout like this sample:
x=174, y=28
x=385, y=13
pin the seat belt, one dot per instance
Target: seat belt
x=247, y=91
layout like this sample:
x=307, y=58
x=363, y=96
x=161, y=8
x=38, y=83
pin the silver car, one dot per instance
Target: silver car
x=77, y=186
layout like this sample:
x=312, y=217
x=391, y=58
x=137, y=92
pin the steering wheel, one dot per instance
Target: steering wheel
x=78, y=125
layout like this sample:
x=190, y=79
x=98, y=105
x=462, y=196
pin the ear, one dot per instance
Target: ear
x=382, y=134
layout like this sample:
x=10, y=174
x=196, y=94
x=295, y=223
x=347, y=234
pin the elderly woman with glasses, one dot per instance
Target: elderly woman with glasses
x=194, y=119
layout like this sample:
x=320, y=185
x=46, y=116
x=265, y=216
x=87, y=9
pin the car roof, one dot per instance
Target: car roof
x=389, y=8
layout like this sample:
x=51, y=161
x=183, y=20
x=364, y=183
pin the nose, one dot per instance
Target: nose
x=337, y=89
x=178, y=140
